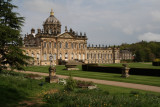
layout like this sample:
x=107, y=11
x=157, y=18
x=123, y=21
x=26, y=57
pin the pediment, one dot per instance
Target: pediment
x=65, y=35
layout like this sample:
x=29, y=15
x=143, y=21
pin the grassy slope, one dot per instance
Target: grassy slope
x=148, y=80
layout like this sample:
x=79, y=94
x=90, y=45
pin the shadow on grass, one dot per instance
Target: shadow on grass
x=10, y=96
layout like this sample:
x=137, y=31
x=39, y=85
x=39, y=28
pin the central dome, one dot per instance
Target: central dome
x=52, y=19
x=52, y=25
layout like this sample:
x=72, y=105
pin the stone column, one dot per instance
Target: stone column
x=52, y=78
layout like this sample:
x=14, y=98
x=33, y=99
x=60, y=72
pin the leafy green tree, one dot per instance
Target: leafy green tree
x=144, y=51
x=10, y=38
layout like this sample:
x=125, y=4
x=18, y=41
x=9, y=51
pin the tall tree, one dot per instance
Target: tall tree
x=10, y=38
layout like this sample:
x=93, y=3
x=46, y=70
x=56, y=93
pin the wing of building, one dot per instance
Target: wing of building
x=69, y=45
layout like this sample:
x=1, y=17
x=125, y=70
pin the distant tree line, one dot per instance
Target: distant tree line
x=143, y=51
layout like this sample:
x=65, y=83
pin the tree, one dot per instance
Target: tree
x=10, y=38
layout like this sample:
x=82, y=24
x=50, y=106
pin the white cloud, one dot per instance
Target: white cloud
x=101, y=19
x=149, y=37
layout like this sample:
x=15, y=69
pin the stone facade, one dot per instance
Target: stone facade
x=126, y=55
x=64, y=46
x=103, y=55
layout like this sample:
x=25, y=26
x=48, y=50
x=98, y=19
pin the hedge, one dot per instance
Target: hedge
x=156, y=63
x=118, y=70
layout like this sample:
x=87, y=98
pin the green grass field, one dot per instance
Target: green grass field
x=148, y=80
x=15, y=88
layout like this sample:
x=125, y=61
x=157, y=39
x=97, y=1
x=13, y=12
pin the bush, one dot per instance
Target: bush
x=118, y=70
x=71, y=84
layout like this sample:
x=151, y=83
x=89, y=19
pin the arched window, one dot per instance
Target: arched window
x=37, y=55
x=32, y=54
x=66, y=56
x=54, y=56
x=49, y=31
x=79, y=56
x=60, y=56
x=75, y=56
x=83, y=56
x=72, y=55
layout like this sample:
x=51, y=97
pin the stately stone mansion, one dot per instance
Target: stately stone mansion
x=66, y=46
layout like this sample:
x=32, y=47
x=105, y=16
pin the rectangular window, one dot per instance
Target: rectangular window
x=60, y=45
x=87, y=56
x=79, y=45
x=44, y=44
x=50, y=44
x=72, y=55
x=54, y=45
x=37, y=55
x=54, y=56
x=75, y=45
x=45, y=57
x=66, y=45
x=72, y=45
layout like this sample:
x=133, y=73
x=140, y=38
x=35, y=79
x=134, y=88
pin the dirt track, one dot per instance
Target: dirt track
x=105, y=82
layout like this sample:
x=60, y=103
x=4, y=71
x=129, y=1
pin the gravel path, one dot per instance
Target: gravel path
x=105, y=82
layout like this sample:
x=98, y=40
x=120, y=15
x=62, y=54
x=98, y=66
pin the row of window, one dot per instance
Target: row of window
x=73, y=56
x=73, y=45
x=99, y=56
x=33, y=55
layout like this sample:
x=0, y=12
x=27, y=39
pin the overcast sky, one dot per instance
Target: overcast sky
x=108, y=22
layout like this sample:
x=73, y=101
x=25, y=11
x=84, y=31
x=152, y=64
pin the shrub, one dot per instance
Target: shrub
x=71, y=84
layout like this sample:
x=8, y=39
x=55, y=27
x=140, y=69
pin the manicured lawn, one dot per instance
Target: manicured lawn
x=134, y=65
x=148, y=80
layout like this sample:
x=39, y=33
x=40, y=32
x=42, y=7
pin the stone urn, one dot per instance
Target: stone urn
x=125, y=71
x=52, y=78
